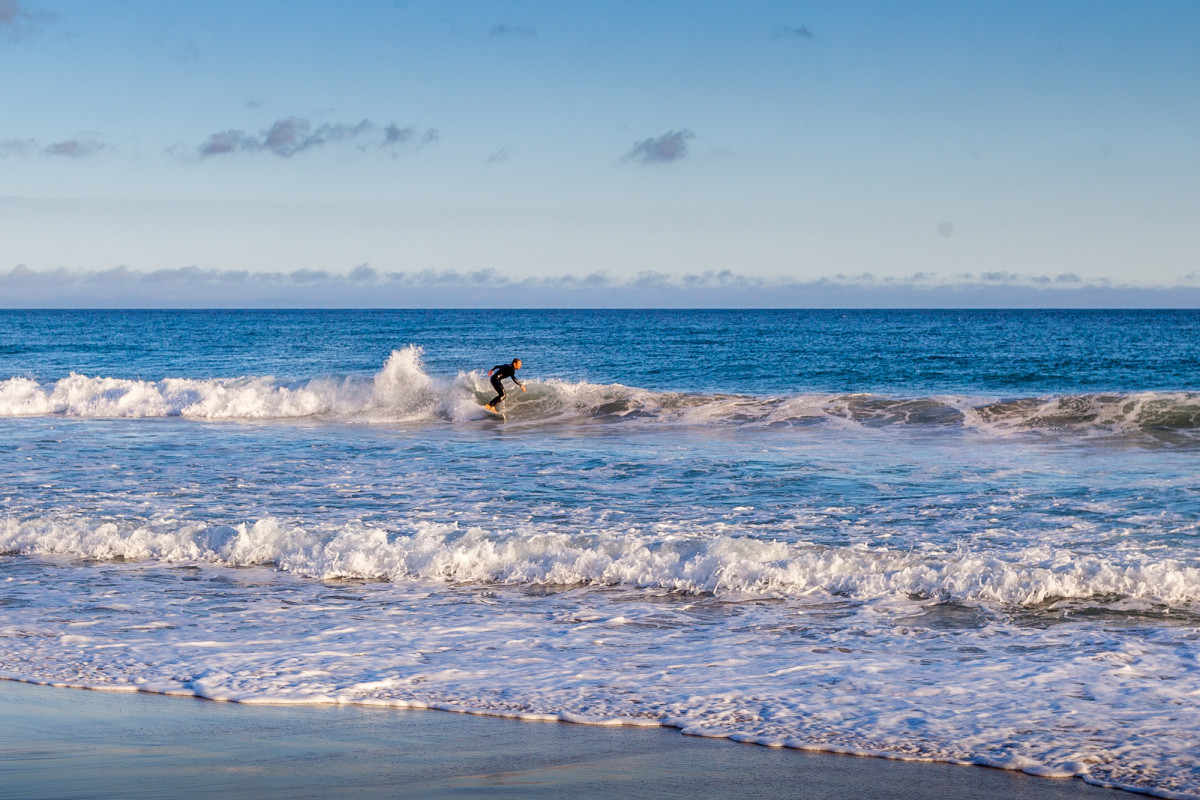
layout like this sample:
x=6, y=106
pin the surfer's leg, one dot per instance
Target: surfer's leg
x=499, y=387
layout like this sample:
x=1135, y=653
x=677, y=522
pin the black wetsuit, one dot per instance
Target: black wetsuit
x=498, y=374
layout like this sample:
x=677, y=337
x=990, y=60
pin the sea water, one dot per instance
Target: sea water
x=958, y=536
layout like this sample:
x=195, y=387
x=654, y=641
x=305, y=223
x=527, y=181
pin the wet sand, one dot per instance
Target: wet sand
x=67, y=743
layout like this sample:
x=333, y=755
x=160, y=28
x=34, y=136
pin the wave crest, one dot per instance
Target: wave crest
x=402, y=391
x=716, y=564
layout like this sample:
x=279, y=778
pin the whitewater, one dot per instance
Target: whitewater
x=963, y=537
x=403, y=392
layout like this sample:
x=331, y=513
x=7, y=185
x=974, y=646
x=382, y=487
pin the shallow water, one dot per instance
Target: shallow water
x=956, y=536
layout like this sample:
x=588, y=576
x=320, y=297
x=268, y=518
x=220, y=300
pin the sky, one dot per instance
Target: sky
x=411, y=153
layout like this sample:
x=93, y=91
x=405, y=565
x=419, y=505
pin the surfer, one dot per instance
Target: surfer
x=498, y=374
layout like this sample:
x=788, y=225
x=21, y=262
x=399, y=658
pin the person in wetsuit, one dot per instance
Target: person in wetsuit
x=498, y=374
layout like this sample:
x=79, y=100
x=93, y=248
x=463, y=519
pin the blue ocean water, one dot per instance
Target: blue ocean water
x=908, y=352
x=968, y=536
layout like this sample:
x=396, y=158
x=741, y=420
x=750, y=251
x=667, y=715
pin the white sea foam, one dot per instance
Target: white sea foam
x=708, y=563
x=402, y=391
x=896, y=678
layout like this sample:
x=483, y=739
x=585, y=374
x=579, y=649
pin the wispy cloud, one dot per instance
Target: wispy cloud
x=792, y=32
x=284, y=138
x=503, y=29
x=82, y=146
x=10, y=12
x=365, y=286
x=17, y=147
x=17, y=22
x=79, y=147
x=395, y=135
x=292, y=135
x=669, y=147
x=228, y=142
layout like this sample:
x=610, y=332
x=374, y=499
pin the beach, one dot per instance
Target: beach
x=69, y=743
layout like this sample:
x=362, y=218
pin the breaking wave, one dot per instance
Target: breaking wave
x=402, y=391
x=715, y=563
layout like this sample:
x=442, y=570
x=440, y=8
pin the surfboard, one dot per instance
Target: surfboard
x=495, y=412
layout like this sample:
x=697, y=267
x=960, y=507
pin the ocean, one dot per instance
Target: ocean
x=961, y=536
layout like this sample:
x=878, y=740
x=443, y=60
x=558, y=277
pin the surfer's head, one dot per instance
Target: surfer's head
x=516, y=363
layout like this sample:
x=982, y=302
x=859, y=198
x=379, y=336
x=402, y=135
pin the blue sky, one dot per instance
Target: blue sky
x=611, y=153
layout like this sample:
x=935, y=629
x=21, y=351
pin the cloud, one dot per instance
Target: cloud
x=499, y=157
x=10, y=12
x=293, y=135
x=366, y=287
x=80, y=147
x=363, y=272
x=513, y=31
x=18, y=23
x=17, y=147
x=313, y=276
x=285, y=138
x=503, y=29
x=228, y=142
x=393, y=135
x=669, y=147
x=792, y=32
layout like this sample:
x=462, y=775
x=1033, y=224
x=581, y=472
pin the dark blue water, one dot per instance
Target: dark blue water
x=901, y=352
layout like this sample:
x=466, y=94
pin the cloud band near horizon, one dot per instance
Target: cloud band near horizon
x=366, y=287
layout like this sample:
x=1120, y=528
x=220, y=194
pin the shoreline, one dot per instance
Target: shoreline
x=85, y=743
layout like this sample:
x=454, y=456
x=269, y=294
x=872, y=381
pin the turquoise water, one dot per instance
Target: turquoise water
x=963, y=536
